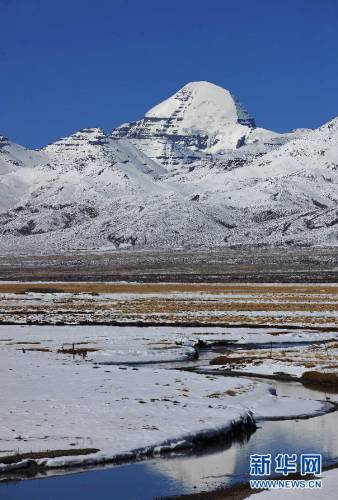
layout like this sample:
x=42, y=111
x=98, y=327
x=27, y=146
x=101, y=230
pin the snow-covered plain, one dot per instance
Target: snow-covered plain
x=51, y=401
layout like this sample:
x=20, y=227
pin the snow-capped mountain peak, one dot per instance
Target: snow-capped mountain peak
x=200, y=118
x=84, y=140
x=202, y=108
x=195, y=171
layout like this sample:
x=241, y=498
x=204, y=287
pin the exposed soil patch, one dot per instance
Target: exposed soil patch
x=24, y=343
x=37, y=349
x=35, y=455
x=81, y=351
x=40, y=289
x=320, y=378
x=215, y=266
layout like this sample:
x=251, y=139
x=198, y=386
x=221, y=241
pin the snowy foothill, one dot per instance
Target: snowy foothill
x=194, y=172
x=59, y=396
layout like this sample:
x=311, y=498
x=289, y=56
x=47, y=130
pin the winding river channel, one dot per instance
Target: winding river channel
x=203, y=470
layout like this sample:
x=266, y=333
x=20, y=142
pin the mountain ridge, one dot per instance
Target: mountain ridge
x=194, y=172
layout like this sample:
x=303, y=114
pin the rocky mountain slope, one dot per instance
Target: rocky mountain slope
x=195, y=171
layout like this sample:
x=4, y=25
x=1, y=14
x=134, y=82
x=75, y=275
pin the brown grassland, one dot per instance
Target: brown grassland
x=159, y=303
x=150, y=288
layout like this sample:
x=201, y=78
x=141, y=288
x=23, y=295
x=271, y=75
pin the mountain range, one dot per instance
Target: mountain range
x=194, y=172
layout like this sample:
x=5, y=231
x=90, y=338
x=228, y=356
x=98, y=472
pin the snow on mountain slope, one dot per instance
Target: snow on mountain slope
x=201, y=117
x=14, y=179
x=288, y=195
x=74, y=163
x=13, y=156
x=90, y=177
x=194, y=172
x=200, y=120
x=201, y=108
x=311, y=156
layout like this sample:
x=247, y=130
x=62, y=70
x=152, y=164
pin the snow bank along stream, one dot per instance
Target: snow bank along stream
x=116, y=390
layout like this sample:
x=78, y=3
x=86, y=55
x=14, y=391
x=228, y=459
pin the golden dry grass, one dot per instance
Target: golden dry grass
x=323, y=378
x=241, y=303
x=146, y=288
x=186, y=305
x=319, y=361
x=216, y=395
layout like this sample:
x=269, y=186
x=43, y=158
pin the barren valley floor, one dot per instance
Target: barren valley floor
x=244, y=265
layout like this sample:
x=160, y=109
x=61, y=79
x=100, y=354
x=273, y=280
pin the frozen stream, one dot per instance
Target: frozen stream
x=219, y=466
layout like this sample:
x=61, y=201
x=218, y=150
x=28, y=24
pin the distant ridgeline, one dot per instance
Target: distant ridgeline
x=194, y=172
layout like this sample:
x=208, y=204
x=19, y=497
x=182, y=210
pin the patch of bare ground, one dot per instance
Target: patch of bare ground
x=85, y=342
x=42, y=289
x=320, y=378
x=81, y=351
x=227, y=360
x=319, y=363
x=24, y=343
x=229, y=392
x=276, y=334
x=35, y=349
x=221, y=265
x=35, y=455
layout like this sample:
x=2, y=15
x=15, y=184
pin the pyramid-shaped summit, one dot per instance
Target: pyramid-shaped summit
x=195, y=172
x=202, y=107
x=201, y=116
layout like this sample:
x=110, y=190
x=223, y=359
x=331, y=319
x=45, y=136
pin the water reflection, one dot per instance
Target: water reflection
x=226, y=467
x=209, y=469
x=128, y=482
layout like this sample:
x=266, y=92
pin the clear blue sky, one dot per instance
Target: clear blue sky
x=68, y=64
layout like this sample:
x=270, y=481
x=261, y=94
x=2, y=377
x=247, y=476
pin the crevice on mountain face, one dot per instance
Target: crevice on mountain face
x=194, y=172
